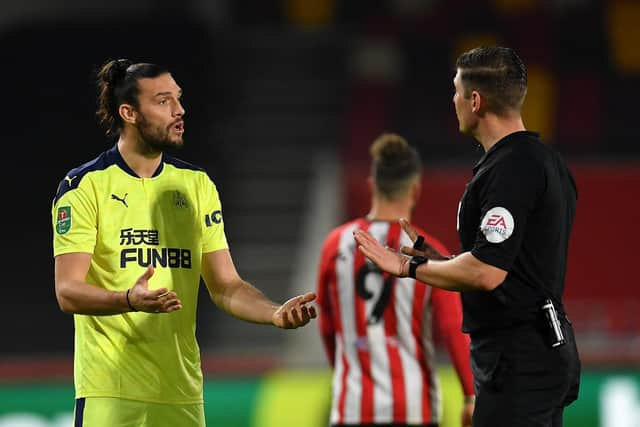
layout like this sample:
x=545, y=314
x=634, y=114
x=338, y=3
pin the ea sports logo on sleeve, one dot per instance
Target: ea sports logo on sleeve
x=497, y=225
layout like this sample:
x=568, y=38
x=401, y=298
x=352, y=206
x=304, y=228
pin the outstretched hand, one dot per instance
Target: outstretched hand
x=295, y=312
x=425, y=249
x=385, y=258
x=152, y=301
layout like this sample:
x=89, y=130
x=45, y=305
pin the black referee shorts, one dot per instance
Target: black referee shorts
x=520, y=381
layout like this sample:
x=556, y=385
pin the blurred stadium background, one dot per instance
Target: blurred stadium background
x=283, y=99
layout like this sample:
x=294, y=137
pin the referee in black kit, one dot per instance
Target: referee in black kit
x=514, y=222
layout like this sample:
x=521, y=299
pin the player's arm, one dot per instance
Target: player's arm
x=76, y=296
x=325, y=321
x=463, y=273
x=242, y=300
x=447, y=315
x=434, y=250
x=485, y=267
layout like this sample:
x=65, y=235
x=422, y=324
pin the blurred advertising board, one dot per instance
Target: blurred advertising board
x=608, y=398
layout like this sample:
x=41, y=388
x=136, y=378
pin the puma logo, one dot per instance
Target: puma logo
x=69, y=179
x=124, y=202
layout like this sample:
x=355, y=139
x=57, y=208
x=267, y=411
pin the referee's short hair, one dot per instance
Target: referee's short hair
x=497, y=73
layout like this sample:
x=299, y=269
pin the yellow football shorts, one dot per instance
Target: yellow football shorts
x=115, y=412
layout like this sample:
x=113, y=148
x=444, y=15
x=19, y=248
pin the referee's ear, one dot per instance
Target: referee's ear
x=478, y=103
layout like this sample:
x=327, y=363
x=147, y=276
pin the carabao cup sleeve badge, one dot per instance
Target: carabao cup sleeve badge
x=63, y=219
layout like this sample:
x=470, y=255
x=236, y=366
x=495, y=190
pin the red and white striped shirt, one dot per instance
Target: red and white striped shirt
x=377, y=331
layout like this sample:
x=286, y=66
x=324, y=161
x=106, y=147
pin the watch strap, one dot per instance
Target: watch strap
x=414, y=263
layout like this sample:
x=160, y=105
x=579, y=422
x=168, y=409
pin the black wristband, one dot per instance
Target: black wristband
x=129, y=302
x=414, y=263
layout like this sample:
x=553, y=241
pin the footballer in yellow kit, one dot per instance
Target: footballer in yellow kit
x=127, y=223
x=134, y=231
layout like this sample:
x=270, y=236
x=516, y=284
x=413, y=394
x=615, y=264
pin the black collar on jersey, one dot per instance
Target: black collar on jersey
x=116, y=157
x=501, y=143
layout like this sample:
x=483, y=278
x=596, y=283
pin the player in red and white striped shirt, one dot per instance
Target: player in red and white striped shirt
x=376, y=328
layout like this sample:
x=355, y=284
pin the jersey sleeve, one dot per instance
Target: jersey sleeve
x=446, y=309
x=447, y=322
x=325, y=319
x=510, y=193
x=213, y=237
x=74, y=218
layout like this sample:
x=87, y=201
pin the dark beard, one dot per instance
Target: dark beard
x=155, y=139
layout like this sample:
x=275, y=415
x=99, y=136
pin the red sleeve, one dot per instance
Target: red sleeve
x=325, y=316
x=447, y=322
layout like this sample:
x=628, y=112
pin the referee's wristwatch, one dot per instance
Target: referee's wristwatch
x=414, y=263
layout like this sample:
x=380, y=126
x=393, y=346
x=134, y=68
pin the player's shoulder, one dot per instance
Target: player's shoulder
x=189, y=169
x=181, y=164
x=334, y=236
x=348, y=226
x=75, y=176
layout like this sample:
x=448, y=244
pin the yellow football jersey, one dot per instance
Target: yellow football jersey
x=126, y=223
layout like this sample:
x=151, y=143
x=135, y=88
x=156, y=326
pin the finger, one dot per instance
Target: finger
x=285, y=320
x=411, y=232
x=158, y=293
x=158, y=304
x=166, y=298
x=308, y=297
x=367, y=253
x=419, y=243
x=165, y=294
x=172, y=301
x=168, y=307
x=364, y=251
x=411, y=251
x=312, y=312
x=295, y=317
x=361, y=238
x=373, y=250
x=148, y=273
x=365, y=238
x=174, y=308
x=171, y=306
x=304, y=310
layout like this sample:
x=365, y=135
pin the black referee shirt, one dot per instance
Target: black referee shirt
x=516, y=214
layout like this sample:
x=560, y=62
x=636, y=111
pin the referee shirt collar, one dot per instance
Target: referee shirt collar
x=501, y=143
x=116, y=158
